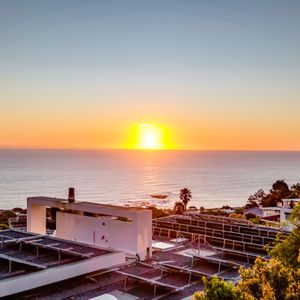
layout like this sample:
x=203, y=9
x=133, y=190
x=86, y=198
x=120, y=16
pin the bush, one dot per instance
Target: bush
x=250, y=216
x=8, y=214
x=237, y=216
x=159, y=213
x=216, y=289
x=256, y=220
x=215, y=212
x=268, y=280
x=3, y=226
x=19, y=210
x=288, y=250
x=240, y=211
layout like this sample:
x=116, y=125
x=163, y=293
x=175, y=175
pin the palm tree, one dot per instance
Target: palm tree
x=185, y=196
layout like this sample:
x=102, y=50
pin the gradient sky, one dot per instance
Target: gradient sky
x=219, y=74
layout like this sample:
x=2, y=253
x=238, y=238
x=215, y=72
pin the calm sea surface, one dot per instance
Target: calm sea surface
x=215, y=178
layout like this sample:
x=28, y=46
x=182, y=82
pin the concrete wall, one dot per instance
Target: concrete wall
x=132, y=237
x=41, y=278
x=36, y=218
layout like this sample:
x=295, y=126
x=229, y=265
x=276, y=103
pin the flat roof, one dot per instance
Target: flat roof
x=81, y=205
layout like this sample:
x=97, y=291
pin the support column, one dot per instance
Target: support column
x=36, y=218
x=9, y=266
x=154, y=291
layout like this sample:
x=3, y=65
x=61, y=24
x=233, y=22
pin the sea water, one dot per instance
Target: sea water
x=216, y=178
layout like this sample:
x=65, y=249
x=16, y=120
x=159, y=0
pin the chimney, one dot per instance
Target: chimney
x=71, y=197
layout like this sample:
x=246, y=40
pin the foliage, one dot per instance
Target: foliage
x=280, y=190
x=295, y=189
x=216, y=289
x=239, y=211
x=214, y=212
x=5, y=215
x=159, y=213
x=237, y=216
x=267, y=280
x=277, y=279
x=8, y=214
x=255, y=220
x=288, y=250
x=193, y=208
x=3, y=226
x=250, y=216
x=202, y=209
x=226, y=207
x=179, y=208
x=256, y=199
x=19, y=210
x=185, y=196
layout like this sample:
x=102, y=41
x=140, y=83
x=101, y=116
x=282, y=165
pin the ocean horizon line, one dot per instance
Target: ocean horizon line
x=143, y=150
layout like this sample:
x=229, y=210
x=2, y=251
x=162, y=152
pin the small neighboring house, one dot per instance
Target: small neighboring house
x=230, y=209
x=255, y=211
x=283, y=210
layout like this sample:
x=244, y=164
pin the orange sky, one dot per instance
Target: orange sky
x=216, y=76
x=210, y=124
x=50, y=127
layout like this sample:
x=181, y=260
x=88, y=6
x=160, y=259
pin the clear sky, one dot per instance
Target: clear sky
x=217, y=74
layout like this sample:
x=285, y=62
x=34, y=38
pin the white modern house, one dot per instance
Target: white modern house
x=127, y=229
x=89, y=237
x=283, y=210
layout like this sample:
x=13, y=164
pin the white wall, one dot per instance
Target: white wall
x=36, y=218
x=48, y=276
x=132, y=237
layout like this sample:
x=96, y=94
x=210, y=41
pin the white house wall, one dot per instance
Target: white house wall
x=36, y=218
x=132, y=237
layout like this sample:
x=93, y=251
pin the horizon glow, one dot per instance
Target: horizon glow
x=212, y=75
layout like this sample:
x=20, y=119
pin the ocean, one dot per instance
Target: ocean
x=216, y=178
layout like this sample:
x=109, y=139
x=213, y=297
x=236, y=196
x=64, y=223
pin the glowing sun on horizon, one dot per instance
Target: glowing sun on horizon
x=149, y=137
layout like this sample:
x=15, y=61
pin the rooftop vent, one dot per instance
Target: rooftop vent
x=71, y=197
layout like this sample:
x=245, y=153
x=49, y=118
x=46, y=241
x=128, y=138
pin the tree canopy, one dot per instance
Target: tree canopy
x=179, y=207
x=288, y=251
x=280, y=190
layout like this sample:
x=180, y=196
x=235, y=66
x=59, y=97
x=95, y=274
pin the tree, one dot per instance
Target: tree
x=281, y=188
x=256, y=199
x=268, y=280
x=159, y=213
x=295, y=188
x=288, y=250
x=185, y=196
x=178, y=207
x=216, y=289
x=279, y=191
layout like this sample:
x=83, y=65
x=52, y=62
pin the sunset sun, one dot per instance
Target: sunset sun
x=149, y=137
